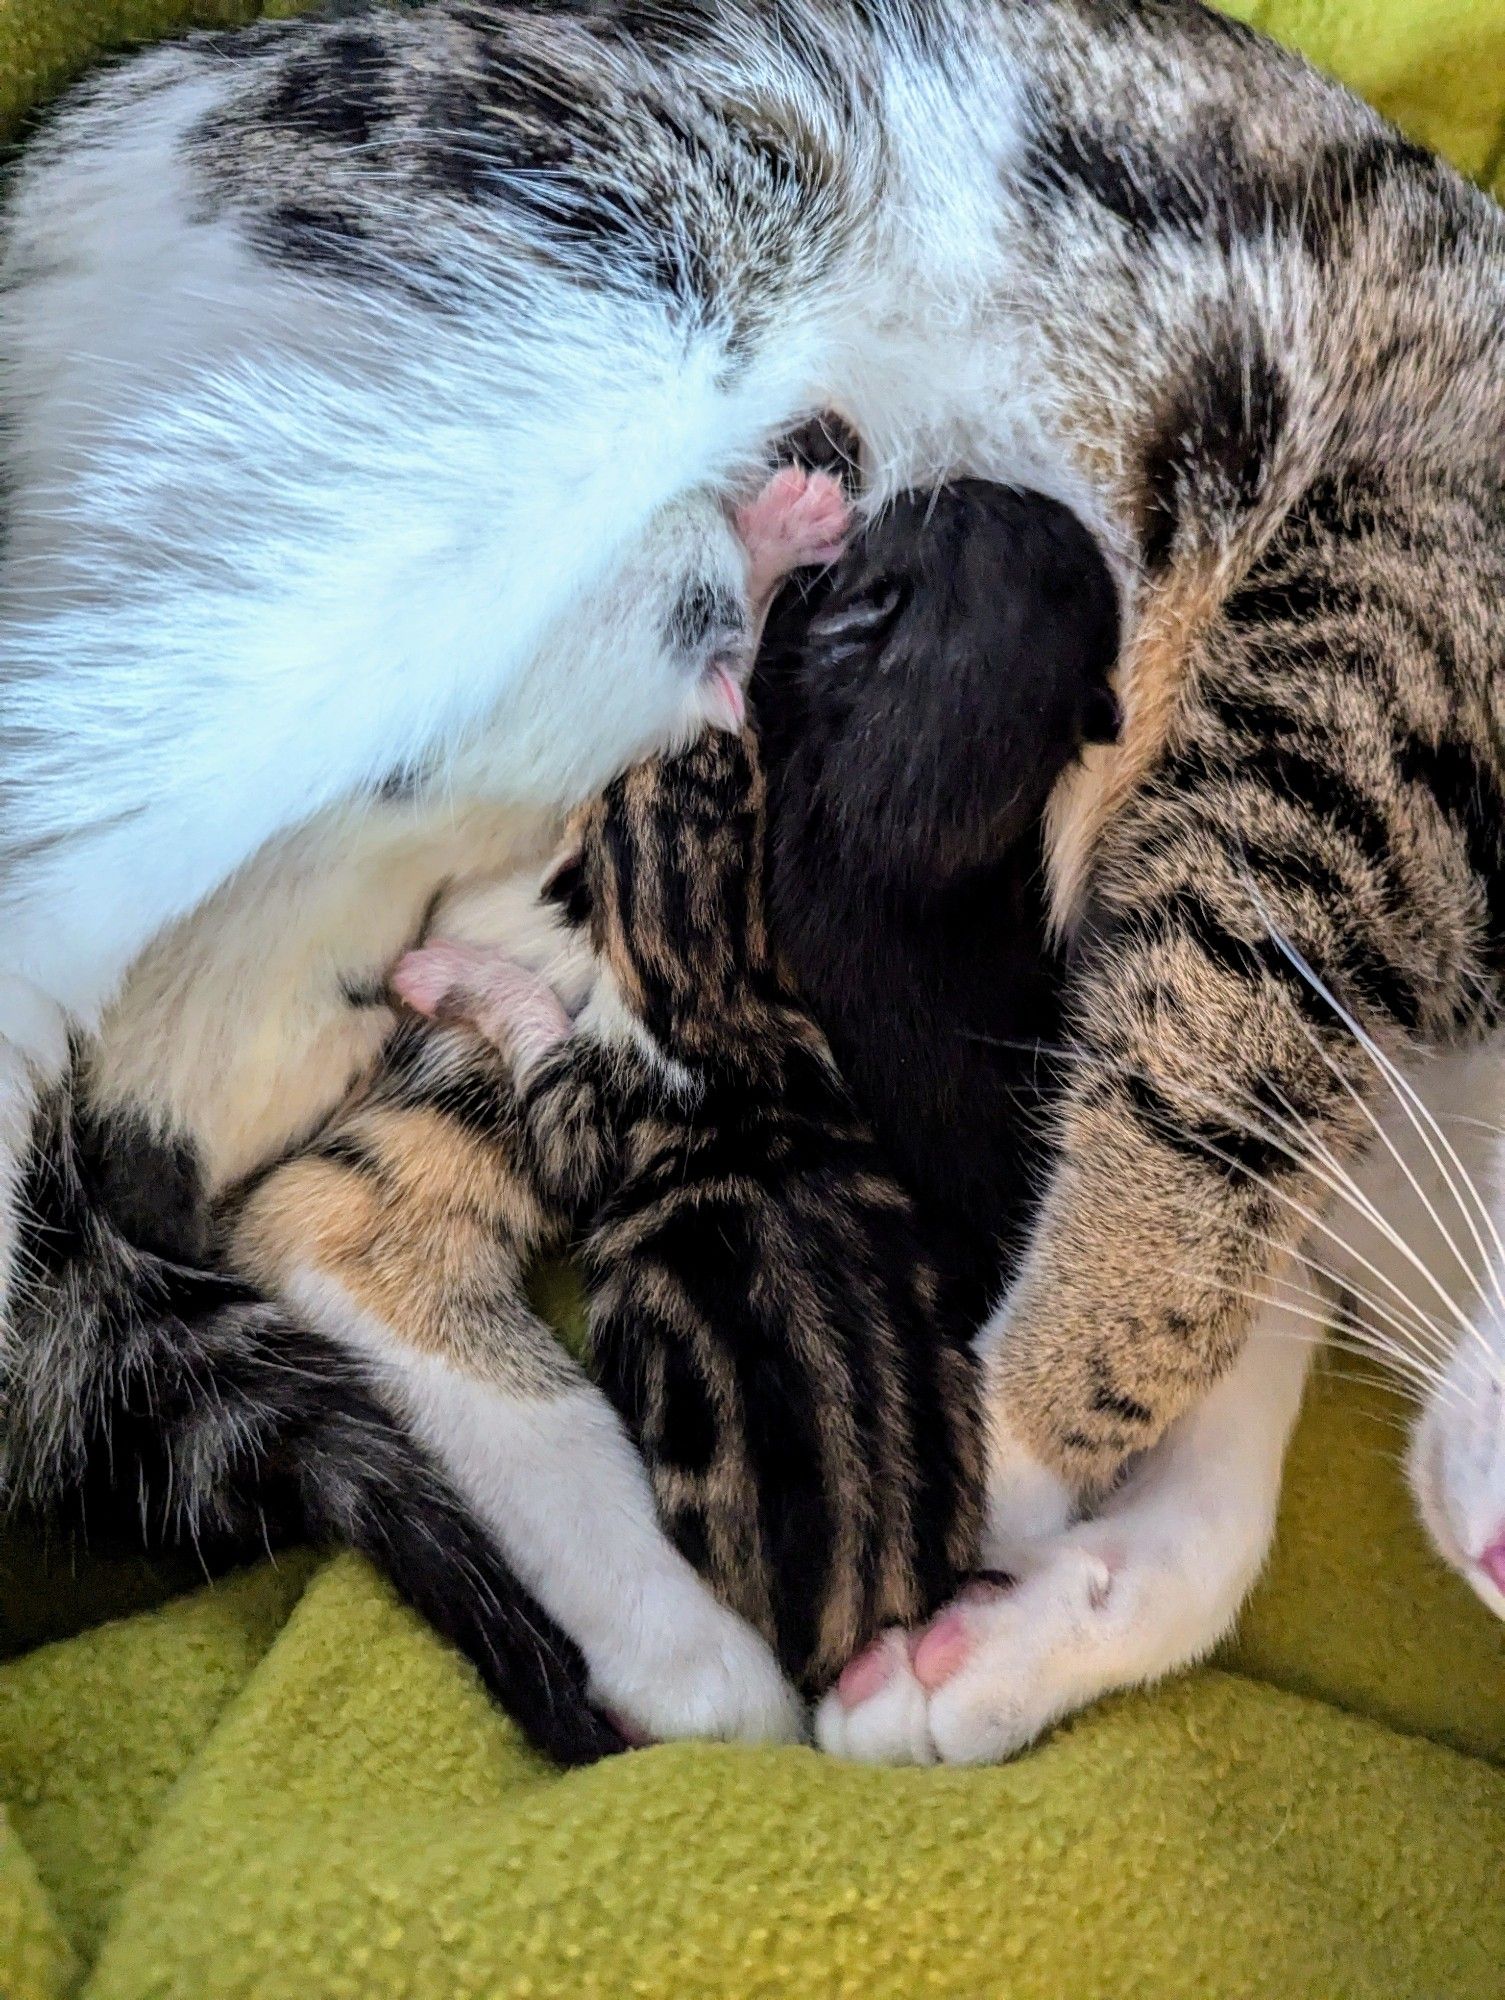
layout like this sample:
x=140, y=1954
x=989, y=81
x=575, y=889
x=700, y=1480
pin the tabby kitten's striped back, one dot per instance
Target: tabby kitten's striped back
x=763, y=1312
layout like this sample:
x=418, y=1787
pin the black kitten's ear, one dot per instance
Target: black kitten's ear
x=565, y=887
x=863, y=618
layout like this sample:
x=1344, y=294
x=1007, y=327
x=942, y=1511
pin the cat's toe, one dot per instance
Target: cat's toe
x=876, y=1712
x=1007, y=1663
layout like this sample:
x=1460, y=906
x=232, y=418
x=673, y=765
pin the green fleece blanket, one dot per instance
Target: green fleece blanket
x=283, y=1788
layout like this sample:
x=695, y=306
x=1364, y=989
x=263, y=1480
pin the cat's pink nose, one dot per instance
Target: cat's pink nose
x=1492, y=1562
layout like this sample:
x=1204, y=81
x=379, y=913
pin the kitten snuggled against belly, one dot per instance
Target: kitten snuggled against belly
x=916, y=704
x=764, y=1314
x=763, y=1310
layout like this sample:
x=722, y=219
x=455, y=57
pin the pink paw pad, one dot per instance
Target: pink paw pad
x=799, y=517
x=868, y=1674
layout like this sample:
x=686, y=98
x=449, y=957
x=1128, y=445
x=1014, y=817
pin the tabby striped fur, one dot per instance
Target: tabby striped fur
x=762, y=1310
x=512, y=281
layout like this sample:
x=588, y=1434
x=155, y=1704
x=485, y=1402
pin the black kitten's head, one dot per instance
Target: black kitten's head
x=950, y=666
x=991, y=577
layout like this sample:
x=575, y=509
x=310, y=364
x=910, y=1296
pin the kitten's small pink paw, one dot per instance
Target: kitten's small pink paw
x=799, y=517
x=437, y=973
x=513, y=1007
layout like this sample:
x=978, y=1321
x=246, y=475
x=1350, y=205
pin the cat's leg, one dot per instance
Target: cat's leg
x=1150, y=1584
x=540, y=1455
x=402, y=1235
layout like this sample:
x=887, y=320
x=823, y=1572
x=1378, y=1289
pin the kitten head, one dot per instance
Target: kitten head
x=664, y=870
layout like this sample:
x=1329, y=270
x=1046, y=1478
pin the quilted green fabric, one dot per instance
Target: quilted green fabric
x=284, y=1788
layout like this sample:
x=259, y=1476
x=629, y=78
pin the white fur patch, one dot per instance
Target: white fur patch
x=558, y=1483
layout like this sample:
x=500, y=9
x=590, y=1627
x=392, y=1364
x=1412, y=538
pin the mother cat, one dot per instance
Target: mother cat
x=354, y=379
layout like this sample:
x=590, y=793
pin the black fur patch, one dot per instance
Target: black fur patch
x=703, y=615
x=372, y=991
x=1209, y=459
x=1230, y=1151
x=569, y=892
x=151, y=1187
x=1469, y=795
x=338, y=91
x=1345, y=181
x=317, y=238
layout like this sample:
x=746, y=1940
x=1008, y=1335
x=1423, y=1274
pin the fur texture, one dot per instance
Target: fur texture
x=356, y=377
x=916, y=706
x=763, y=1309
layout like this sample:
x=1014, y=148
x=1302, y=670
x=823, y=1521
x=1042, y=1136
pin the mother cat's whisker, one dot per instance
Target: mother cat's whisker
x=1418, y=1379
x=1336, y=1180
x=1422, y=1339
x=1418, y=1116
x=1308, y=1153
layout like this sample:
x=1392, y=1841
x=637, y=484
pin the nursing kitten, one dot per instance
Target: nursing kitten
x=344, y=362
x=916, y=704
x=762, y=1309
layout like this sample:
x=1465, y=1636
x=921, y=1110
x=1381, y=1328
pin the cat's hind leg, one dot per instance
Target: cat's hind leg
x=401, y=1237
x=1148, y=1585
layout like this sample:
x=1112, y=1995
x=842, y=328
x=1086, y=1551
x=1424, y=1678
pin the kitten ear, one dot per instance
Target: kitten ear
x=861, y=619
x=565, y=886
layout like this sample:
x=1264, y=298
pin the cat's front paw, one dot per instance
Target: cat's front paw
x=1007, y=1659
x=699, y=1672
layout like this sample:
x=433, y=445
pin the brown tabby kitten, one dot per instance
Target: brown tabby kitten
x=762, y=1310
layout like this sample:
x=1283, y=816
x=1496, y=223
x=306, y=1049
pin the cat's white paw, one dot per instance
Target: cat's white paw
x=698, y=1671
x=876, y=1713
x=1010, y=1662
x=998, y=1666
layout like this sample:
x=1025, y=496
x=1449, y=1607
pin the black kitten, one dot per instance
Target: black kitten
x=917, y=703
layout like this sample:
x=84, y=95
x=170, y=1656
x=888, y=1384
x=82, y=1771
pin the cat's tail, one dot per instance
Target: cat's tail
x=180, y=1407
